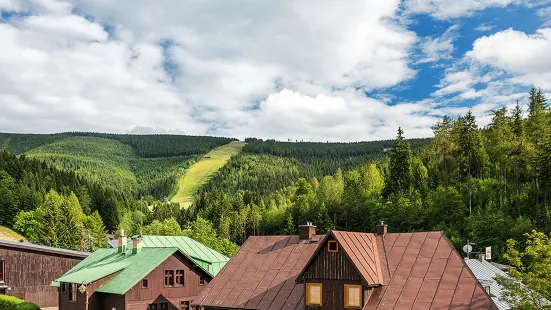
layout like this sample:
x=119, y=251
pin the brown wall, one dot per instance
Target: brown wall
x=331, y=266
x=138, y=298
x=333, y=270
x=89, y=297
x=31, y=272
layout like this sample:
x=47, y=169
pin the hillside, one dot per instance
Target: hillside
x=10, y=235
x=142, y=165
x=199, y=173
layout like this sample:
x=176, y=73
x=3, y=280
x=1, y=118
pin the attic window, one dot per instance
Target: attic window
x=313, y=294
x=332, y=246
x=202, y=281
x=145, y=283
x=353, y=296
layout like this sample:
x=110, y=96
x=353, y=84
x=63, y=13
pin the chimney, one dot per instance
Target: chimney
x=122, y=242
x=382, y=229
x=136, y=244
x=306, y=231
x=482, y=257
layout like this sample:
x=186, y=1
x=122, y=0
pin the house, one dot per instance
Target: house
x=346, y=270
x=26, y=270
x=486, y=273
x=148, y=273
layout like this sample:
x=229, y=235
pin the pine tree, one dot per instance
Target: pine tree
x=72, y=234
x=399, y=180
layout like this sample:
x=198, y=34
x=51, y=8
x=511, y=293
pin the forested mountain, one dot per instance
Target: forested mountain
x=484, y=185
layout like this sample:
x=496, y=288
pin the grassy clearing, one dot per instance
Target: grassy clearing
x=200, y=172
x=8, y=234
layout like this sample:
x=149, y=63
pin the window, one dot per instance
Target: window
x=145, y=283
x=352, y=296
x=184, y=305
x=63, y=287
x=2, y=270
x=332, y=246
x=201, y=280
x=169, y=277
x=72, y=292
x=313, y=294
x=179, y=278
x=163, y=306
x=152, y=307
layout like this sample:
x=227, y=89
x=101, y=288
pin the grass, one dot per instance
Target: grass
x=8, y=234
x=200, y=172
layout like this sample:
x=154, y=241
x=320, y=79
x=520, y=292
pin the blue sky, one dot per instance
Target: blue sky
x=306, y=70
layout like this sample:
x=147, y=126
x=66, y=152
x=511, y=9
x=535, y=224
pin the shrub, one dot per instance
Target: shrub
x=14, y=303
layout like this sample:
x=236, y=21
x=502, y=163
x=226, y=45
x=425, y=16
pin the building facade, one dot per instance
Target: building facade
x=27, y=270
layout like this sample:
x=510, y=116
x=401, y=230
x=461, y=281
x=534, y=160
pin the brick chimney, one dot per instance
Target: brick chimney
x=122, y=242
x=136, y=244
x=382, y=229
x=306, y=231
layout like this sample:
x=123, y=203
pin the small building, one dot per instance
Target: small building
x=148, y=273
x=26, y=270
x=346, y=270
x=486, y=273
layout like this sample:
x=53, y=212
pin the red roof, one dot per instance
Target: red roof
x=416, y=270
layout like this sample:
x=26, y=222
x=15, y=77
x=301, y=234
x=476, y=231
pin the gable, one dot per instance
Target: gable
x=331, y=265
x=356, y=249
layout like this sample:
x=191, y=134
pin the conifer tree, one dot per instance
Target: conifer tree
x=48, y=215
x=399, y=180
x=96, y=230
x=71, y=234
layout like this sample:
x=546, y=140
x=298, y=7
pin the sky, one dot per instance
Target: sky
x=320, y=70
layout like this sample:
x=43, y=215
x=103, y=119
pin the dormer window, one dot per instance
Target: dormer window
x=332, y=246
x=353, y=296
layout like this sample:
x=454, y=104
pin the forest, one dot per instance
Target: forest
x=480, y=185
x=489, y=186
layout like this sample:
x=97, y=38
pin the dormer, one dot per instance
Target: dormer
x=342, y=272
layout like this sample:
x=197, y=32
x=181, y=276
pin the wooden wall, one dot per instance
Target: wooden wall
x=138, y=298
x=89, y=297
x=331, y=266
x=31, y=272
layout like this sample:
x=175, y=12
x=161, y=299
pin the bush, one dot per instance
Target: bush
x=14, y=303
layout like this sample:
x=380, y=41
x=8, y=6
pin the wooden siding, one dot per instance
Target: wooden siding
x=30, y=273
x=331, y=266
x=89, y=297
x=138, y=297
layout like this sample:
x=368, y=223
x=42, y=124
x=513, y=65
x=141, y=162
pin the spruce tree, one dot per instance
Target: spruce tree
x=399, y=180
x=49, y=214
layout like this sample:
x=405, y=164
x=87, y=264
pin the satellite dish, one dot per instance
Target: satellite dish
x=467, y=248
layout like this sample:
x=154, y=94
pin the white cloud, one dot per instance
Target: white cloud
x=343, y=116
x=444, y=9
x=524, y=56
x=435, y=49
x=484, y=27
x=60, y=71
x=545, y=14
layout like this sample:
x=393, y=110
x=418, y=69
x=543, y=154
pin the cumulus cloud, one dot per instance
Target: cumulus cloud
x=525, y=56
x=202, y=67
x=451, y=9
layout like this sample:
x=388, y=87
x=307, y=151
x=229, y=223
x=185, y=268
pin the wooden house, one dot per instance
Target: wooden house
x=149, y=273
x=346, y=270
x=27, y=270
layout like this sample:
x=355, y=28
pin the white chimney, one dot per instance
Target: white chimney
x=122, y=242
